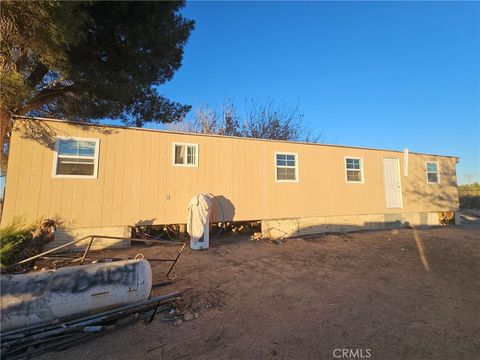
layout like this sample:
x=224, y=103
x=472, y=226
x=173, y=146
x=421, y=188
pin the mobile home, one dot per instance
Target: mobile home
x=102, y=179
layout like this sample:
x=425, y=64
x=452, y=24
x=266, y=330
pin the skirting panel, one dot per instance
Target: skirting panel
x=284, y=228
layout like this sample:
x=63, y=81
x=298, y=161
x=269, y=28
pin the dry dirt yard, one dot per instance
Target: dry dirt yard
x=401, y=294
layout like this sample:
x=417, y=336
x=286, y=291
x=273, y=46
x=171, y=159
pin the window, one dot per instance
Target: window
x=76, y=158
x=433, y=176
x=354, y=170
x=185, y=154
x=286, y=167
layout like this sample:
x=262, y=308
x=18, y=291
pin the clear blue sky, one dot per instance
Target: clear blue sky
x=381, y=74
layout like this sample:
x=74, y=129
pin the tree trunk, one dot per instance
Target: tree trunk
x=6, y=122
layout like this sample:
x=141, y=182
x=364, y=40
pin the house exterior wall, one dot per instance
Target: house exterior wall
x=137, y=183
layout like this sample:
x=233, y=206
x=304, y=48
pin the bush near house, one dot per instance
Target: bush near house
x=19, y=241
x=14, y=239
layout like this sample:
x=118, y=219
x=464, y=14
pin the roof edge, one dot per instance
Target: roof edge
x=217, y=135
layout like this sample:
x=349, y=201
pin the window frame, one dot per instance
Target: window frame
x=429, y=172
x=286, y=166
x=75, y=138
x=174, y=145
x=362, y=172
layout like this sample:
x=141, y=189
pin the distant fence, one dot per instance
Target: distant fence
x=469, y=198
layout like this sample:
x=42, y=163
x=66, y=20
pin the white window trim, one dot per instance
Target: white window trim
x=95, y=162
x=362, y=173
x=185, y=165
x=427, y=172
x=296, y=166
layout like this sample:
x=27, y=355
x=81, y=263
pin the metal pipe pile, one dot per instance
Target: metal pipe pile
x=63, y=333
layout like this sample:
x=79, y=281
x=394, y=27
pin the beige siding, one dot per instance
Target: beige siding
x=136, y=176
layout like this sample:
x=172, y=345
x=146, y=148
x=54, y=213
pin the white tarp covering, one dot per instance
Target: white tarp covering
x=199, y=209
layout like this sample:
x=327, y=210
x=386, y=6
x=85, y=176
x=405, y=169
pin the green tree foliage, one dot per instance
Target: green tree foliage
x=469, y=187
x=90, y=60
x=14, y=239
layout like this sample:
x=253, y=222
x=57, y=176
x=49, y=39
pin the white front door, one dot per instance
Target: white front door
x=393, y=187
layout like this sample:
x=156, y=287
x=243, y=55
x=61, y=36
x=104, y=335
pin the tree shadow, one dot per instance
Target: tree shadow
x=45, y=133
x=442, y=196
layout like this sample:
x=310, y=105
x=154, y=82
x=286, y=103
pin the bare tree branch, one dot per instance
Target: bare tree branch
x=265, y=121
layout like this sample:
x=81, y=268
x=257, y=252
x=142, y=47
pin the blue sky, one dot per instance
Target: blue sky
x=373, y=74
x=380, y=74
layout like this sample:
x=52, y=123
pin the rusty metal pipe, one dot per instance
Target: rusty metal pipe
x=50, y=251
x=176, y=259
x=87, y=249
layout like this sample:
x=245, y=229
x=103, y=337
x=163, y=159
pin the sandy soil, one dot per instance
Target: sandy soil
x=402, y=294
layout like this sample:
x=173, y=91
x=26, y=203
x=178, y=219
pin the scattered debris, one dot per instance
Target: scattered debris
x=65, y=330
x=62, y=334
x=163, y=283
x=188, y=316
x=256, y=236
x=70, y=259
x=62, y=260
x=170, y=233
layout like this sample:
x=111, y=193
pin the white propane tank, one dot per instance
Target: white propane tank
x=44, y=296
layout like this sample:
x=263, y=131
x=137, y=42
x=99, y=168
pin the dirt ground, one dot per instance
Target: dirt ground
x=400, y=294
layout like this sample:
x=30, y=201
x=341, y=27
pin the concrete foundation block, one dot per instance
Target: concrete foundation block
x=65, y=235
x=284, y=228
x=458, y=220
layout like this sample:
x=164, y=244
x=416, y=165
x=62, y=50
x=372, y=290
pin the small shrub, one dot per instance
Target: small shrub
x=446, y=218
x=14, y=239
